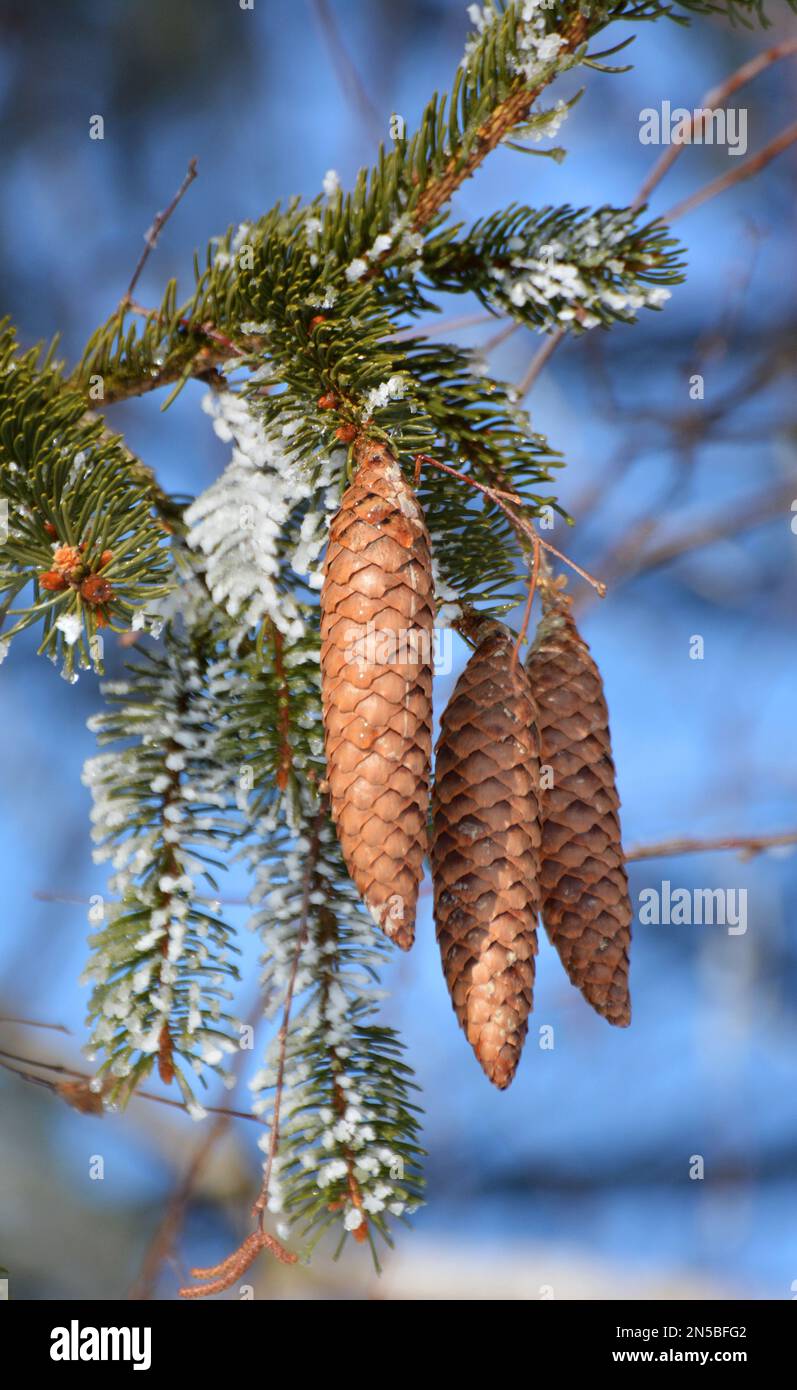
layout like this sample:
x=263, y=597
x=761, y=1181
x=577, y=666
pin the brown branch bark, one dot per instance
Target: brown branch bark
x=511, y=112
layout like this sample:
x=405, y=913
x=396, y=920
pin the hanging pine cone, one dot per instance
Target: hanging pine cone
x=377, y=617
x=485, y=851
x=585, y=904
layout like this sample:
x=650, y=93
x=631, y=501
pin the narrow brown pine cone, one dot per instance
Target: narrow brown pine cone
x=485, y=851
x=377, y=618
x=585, y=904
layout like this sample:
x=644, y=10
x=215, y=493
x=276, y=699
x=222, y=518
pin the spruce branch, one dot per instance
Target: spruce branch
x=81, y=528
x=375, y=234
x=536, y=52
x=343, y=1147
x=298, y=321
x=718, y=96
x=557, y=266
x=162, y=814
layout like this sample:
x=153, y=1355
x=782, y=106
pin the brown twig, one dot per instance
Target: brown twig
x=153, y=232
x=58, y=1069
x=538, y=361
x=349, y=76
x=597, y=584
x=444, y=326
x=746, y=845
x=499, y=497
x=498, y=339
x=744, y=171
x=739, y=517
x=34, y=1023
x=161, y=1246
x=527, y=610
x=221, y=1276
x=716, y=97
x=492, y=492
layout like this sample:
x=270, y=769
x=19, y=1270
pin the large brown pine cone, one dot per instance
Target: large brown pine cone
x=485, y=851
x=377, y=618
x=585, y=904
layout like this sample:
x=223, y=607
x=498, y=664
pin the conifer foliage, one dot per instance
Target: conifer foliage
x=254, y=718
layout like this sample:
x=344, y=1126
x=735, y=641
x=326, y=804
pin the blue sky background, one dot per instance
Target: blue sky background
x=585, y=1160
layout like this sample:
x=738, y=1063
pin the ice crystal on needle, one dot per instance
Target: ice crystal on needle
x=348, y=1140
x=537, y=48
x=555, y=267
x=238, y=524
x=161, y=967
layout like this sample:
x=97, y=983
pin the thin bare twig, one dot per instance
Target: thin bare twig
x=746, y=845
x=59, y=1069
x=538, y=361
x=597, y=584
x=502, y=336
x=34, y=1023
x=716, y=97
x=500, y=498
x=751, y=166
x=436, y=329
x=492, y=492
x=222, y=1276
x=151, y=235
x=521, y=637
x=351, y=81
x=161, y=1246
x=739, y=517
